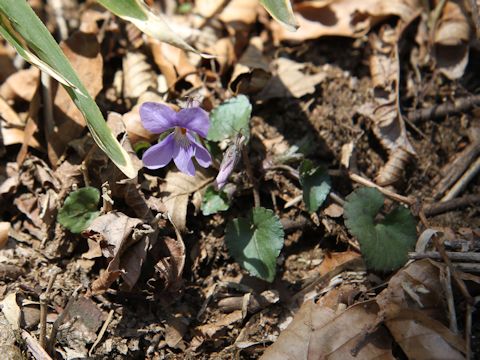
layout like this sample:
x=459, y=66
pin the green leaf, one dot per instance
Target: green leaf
x=79, y=209
x=316, y=185
x=136, y=12
x=21, y=27
x=255, y=243
x=230, y=118
x=281, y=10
x=386, y=243
x=214, y=201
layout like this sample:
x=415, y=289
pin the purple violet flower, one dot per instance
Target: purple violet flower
x=181, y=144
x=230, y=159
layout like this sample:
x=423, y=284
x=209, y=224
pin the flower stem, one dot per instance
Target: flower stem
x=248, y=167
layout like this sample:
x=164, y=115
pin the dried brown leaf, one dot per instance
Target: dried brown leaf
x=6, y=63
x=177, y=189
x=349, y=18
x=291, y=79
x=21, y=85
x=388, y=124
x=414, y=306
x=318, y=332
x=251, y=73
x=174, y=64
x=123, y=242
x=11, y=310
x=4, y=230
x=138, y=75
x=451, y=40
x=83, y=52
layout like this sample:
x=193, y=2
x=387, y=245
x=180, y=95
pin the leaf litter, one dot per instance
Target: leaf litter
x=154, y=275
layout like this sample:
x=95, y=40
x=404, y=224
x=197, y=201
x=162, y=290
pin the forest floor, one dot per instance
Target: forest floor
x=189, y=298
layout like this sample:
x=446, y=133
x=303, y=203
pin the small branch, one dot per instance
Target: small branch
x=468, y=327
x=248, y=167
x=460, y=283
x=449, y=205
x=455, y=168
x=442, y=110
x=462, y=183
x=446, y=280
x=365, y=182
x=35, y=348
x=60, y=319
x=454, y=256
x=44, y=300
x=102, y=332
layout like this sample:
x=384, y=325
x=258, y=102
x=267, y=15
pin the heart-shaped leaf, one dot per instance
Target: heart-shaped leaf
x=214, y=201
x=255, y=243
x=230, y=118
x=384, y=243
x=316, y=185
x=79, y=209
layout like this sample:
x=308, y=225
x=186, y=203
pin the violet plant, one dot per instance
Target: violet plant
x=182, y=143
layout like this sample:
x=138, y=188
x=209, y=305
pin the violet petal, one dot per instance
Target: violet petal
x=182, y=156
x=159, y=155
x=230, y=159
x=202, y=155
x=157, y=117
x=195, y=119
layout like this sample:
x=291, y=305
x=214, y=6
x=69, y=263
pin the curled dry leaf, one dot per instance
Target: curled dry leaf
x=21, y=85
x=123, y=241
x=451, y=40
x=251, y=72
x=174, y=64
x=349, y=18
x=138, y=75
x=414, y=306
x=4, y=230
x=12, y=127
x=6, y=62
x=11, y=310
x=291, y=79
x=83, y=52
x=177, y=189
x=318, y=332
x=388, y=124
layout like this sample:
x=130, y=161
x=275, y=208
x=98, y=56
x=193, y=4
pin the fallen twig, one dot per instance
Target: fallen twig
x=441, y=110
x=44, y=300
x=248, y=167
x=463, y=181
x=363, y=181
x=102, y=332
x=34, y=346
x=455, y=169
x=446, y=279
x=449, y=205
x=454, y=256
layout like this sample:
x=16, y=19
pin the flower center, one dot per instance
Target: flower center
x=180, y=136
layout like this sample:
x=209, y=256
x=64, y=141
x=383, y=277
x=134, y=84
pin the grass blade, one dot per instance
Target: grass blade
x=21, y=27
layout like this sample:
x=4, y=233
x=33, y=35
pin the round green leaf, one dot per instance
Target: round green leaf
x=79, y=209
x=214, y=201
x=316, y=185
x=386, y=243
x=230, y=118
x=255, y=243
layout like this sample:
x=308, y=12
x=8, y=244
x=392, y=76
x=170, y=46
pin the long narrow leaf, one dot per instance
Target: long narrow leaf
x=23, y=29
x=281, y=10
x=151, y=24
